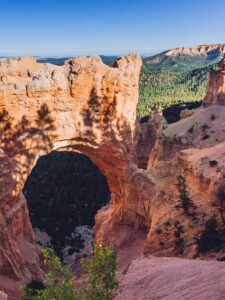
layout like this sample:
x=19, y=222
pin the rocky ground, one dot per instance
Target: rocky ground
x=171, y=278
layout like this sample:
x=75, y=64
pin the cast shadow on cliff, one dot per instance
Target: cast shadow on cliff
x=21, y=141
x=101, y=115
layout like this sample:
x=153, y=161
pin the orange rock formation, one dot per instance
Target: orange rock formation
x=83, y=105
x=215, y=90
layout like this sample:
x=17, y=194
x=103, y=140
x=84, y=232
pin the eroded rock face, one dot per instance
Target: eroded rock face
x=215, y=90
x=189, y=151
x=191, y=148
x=83, y=105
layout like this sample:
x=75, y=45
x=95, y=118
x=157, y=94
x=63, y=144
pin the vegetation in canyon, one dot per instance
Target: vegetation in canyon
x=221, y=198
x=63, y=191
x=101, y=268
x=185, y=201
x=58, y=283
x=163, y=88
x=175, y=77
x=101, y=283
x=210, y=236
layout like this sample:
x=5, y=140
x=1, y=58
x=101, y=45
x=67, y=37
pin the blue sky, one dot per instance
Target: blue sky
x=71, y=27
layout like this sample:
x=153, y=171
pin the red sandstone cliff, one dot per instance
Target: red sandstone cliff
x=215, y=90
x=83, y=105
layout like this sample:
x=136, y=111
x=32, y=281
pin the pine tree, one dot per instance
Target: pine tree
x=186, y=202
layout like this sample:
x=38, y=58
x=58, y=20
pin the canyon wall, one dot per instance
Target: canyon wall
x=89, y=107
x=169, y=163
x=215, y=90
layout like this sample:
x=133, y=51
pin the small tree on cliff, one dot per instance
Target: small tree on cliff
x=221, y=196
x=210, y=238
x=186, y=202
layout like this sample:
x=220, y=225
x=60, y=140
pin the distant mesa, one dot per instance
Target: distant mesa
x=199, y=50
x=184, y=58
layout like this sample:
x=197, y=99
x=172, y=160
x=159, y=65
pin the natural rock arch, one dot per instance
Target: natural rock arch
x=83, y=105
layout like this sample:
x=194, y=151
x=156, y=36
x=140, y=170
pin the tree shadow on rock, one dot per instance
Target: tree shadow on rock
x=21, y=141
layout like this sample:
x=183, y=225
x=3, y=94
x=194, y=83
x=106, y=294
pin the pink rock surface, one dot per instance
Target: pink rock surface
x=172, y=278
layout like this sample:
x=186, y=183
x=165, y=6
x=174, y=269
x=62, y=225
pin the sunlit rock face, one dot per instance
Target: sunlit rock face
x=215, y=90
x=83, y=105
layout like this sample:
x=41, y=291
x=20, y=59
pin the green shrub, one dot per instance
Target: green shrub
x=102, y=284
x=58, y=280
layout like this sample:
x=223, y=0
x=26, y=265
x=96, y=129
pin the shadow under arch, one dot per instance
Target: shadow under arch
x=64, y=191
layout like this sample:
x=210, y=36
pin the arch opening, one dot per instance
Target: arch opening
x=64, y=191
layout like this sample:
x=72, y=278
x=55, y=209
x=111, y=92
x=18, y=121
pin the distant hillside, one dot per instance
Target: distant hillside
x=59, y=61
x=162, y=88
x=182, y=59
x=176, y=76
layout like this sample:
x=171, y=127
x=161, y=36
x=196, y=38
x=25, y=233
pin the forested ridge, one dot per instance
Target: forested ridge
x=162, y=88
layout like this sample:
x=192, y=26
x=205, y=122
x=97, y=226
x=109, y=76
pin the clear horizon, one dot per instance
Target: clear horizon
x=71, y=28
